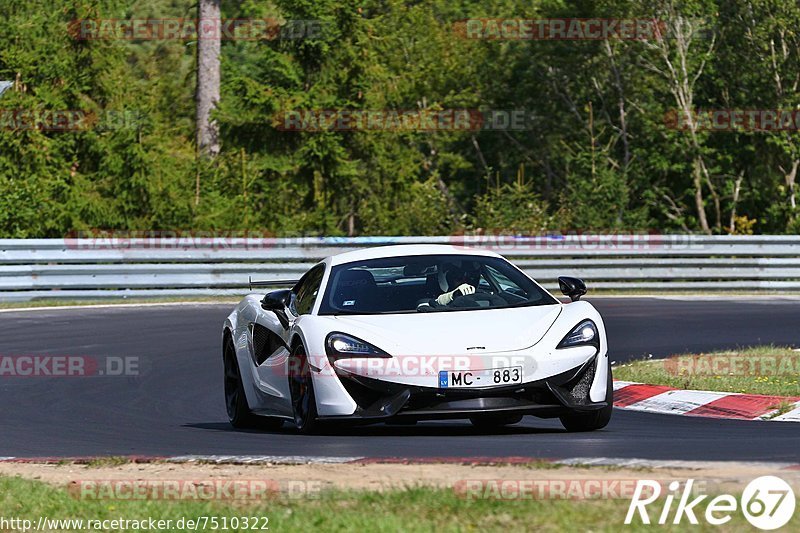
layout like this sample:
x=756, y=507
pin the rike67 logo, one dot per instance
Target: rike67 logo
x=767, y=502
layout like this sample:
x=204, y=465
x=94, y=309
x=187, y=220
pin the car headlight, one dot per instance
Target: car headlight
x=342, y=345
x=584, y=334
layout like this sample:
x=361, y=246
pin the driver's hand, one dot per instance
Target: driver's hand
x=463, y=289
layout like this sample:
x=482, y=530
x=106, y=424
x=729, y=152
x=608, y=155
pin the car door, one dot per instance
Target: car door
x=269, y=340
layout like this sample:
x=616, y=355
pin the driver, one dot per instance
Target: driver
x=461, y=281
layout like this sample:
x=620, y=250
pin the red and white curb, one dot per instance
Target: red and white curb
x=667, y=400
x=263, y=459
x=577, y=462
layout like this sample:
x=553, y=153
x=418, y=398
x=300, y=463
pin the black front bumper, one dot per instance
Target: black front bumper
x=547, y=398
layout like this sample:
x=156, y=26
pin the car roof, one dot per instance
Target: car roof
x=379, y=252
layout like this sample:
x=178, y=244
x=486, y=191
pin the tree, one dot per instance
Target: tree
x=681, y=68
x=209, y=34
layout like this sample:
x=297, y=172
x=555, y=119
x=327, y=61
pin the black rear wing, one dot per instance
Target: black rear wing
x=272, y=283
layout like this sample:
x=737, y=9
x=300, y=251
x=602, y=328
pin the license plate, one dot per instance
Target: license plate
x=466, y=379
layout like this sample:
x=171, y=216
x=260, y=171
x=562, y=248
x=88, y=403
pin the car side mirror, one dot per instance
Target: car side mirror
x=277, y=302
x=572, y=287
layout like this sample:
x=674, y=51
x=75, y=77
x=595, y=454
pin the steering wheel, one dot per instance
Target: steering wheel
x=475, y=299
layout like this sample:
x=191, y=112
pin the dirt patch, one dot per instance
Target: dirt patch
x=713, y=477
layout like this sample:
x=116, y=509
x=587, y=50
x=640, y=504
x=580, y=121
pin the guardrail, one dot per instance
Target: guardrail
x=132, y=267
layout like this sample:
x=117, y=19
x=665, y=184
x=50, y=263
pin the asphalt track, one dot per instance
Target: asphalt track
x=175, y=406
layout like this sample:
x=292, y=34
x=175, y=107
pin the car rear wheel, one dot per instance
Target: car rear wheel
x=489, y=422
x=301, y=387
x=239, y=413
x=576, y=422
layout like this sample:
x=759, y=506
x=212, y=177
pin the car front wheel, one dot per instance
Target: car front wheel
x=301, y=387
x=577, y=421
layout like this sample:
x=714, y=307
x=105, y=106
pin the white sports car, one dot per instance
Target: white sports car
x=404, y=333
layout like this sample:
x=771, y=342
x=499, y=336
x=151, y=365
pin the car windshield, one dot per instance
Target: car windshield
x=429, y=283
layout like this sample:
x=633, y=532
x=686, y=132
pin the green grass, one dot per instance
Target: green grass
x=116, y=301
x=111, y=460
x=413, y=509
x=682, y=292
x=768, y=370
x=53, y=302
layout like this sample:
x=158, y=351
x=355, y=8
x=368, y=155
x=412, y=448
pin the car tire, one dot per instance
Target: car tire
x=593, y=420
x=301, y=388
x=239, y=414
x=490, y=422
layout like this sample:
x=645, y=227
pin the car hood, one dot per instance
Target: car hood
x=453, y=332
